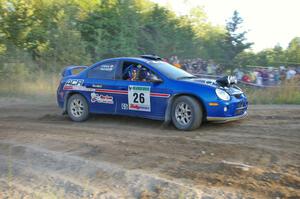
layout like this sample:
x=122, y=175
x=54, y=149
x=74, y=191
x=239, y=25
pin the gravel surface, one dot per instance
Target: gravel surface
x=45, y=155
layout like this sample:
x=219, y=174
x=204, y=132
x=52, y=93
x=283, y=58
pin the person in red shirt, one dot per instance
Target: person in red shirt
x=246, y=78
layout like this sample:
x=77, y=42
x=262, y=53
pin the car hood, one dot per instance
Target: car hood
x=202, y=81
x=231, y=90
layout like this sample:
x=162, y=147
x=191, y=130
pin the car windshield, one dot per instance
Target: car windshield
x=170, y=71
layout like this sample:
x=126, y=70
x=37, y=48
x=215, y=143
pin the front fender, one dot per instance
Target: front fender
x=168, y=113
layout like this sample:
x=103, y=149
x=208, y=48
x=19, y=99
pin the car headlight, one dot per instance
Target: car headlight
x=223, y=95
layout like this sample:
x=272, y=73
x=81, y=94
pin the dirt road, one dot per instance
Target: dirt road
x=45, y=155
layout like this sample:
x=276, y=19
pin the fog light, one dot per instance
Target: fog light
x=225, y=108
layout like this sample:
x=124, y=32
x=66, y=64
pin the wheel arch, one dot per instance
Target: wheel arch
x=172, y=99
x=66, y=98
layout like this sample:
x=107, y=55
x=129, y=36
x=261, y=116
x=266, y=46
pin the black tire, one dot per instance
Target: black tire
x=195, y=113
x=82, y=108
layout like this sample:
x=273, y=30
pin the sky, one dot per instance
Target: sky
x=268, y=22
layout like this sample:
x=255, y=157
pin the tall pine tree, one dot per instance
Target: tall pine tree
x=235, y=41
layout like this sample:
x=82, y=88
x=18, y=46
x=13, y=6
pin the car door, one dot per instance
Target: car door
x=100, y=84
x=142, y=98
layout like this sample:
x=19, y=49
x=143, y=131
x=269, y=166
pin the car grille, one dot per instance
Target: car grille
x=241, y=107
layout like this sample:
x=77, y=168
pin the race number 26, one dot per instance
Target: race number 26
x=139, y=98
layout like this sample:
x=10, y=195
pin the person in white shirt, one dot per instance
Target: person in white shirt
x=290, y=74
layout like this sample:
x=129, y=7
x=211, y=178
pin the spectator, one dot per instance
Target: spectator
x=238, y=73
x=252, y=76
x=282, y=73
x=276, y=77
x=265, y=77
x=175, y=61
x=259, y=75
x=246, y=78
x=290, y=73
x=259, y=78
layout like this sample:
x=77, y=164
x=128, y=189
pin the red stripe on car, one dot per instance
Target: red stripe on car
x=119, y=92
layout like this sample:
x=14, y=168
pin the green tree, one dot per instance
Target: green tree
x=293, y=51
x=235, y=41
x=271, y=57
x=246, y=58
x=111, y=29
x=154, y=30
x=65, y=47
x=279, y=56
x=16, y=19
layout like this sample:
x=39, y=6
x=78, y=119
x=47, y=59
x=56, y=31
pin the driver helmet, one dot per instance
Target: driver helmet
x=144, y=74
x=130, y=72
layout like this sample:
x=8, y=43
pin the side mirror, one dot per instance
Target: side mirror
x=155, y=79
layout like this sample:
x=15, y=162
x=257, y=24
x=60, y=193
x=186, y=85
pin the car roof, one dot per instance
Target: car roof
x=125, y=58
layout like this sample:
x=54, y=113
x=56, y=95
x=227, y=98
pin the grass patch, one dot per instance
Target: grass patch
x=40, y=86
x=287, y=93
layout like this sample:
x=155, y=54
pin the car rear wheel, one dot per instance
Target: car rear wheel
x=78, y=109
x=186, y=113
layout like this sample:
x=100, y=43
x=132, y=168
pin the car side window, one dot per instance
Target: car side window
x=103, y=71
x=136, y=72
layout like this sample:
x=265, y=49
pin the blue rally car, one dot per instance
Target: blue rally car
x=150, y=88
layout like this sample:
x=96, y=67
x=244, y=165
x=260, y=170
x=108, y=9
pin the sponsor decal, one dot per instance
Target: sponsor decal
x=124, y=106
x=74, y=82
x=107, y=67
x=104, y=99
x=139, y=88
x=137, y=107
x=139, y=98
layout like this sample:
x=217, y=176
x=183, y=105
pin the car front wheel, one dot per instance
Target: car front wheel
x=78, y=109
x=186, y=113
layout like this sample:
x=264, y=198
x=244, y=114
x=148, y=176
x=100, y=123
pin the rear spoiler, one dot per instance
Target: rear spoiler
x=72, y=70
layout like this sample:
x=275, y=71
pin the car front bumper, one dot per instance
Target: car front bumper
x=227, y=119
x=234, y=109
